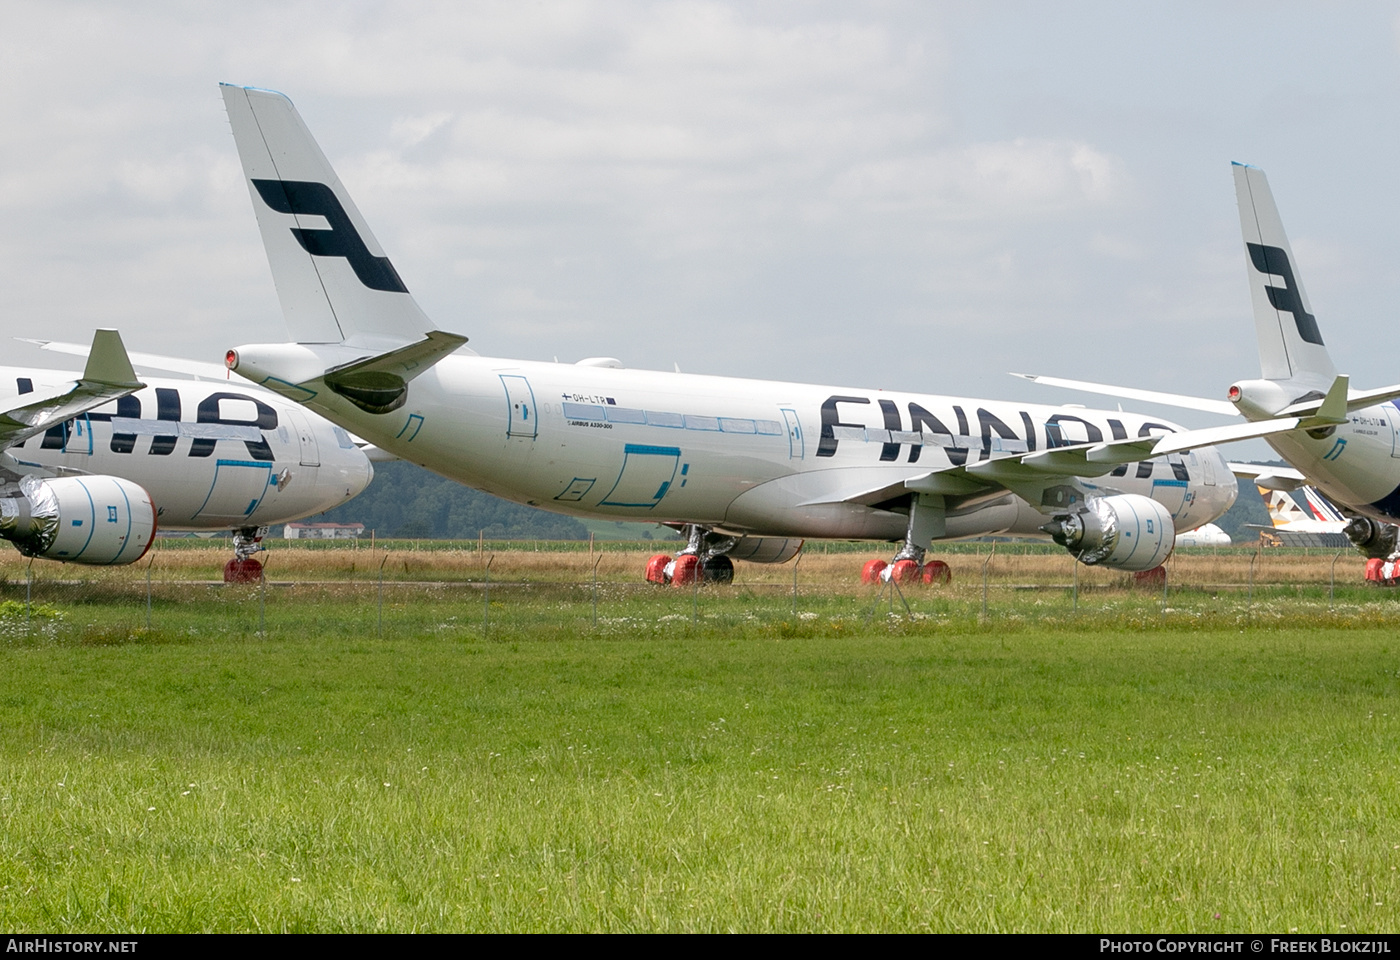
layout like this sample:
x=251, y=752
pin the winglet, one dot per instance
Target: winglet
x=107, y=362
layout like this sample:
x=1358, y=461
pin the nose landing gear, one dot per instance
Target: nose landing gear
x=243, y=568
x=927, y=522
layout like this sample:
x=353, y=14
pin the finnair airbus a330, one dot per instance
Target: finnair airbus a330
x=747, y=468
x=92, y=464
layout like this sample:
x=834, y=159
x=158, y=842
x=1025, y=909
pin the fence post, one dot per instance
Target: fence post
x=1332, y=579
x=380, y=634
x=262, y=601
x=595, y=581
x=148, y=591
x=794, y=585
x=985, y=563
x=486, y=609
x=1251, y=584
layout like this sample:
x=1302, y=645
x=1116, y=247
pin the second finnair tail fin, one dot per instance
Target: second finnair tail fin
x=1290, y=343
x=333, y=279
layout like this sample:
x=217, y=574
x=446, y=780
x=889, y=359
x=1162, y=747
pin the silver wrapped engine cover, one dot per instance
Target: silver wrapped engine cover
x=1124, y=532
x=90, y=519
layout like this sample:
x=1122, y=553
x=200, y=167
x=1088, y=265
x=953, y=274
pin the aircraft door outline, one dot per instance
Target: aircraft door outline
x=797, y=444
x=522, y=415
x=1392, y=413
x=1171, y=494
x=306, y=439
x=646, y=476
x=238, y=489
x=79, y=439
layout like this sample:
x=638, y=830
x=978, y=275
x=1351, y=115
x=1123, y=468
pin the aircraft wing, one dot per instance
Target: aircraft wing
x=1355, y=399
x=107, y=377
x=197, y=369
x=1029, y=475
x=1269, y=476
x=1223, y=407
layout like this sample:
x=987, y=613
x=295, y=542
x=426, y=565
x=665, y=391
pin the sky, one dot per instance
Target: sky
x=914, y=196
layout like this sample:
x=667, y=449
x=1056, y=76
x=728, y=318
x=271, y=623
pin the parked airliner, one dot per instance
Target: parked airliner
x=747, y=468
x=205, y=456
x=1351, y=457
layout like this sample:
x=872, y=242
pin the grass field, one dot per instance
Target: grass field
x=260, y=760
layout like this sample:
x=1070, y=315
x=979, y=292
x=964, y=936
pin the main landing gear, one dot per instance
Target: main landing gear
x=906, y=570
x=702, y=559
x=243, y=568
x=927, y=522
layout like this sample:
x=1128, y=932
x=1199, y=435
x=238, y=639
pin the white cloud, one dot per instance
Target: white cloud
x=776, y=188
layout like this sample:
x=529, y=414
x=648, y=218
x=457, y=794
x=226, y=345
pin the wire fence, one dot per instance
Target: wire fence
x=479, y=591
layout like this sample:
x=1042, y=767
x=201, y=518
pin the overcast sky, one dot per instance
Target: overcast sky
x=914, y=196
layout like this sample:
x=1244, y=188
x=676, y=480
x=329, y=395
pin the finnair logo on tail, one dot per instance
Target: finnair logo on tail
x=1274, y=262
x=341, y=240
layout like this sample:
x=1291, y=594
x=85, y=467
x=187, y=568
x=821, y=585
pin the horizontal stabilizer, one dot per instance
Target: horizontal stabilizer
x=1356, y=400
x=379, y=384
x=406, y=362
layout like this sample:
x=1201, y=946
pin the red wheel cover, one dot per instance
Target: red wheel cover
x=870, y=573
x=686, y=570
x=656, y=568
x=904, y=571
x=936, y=571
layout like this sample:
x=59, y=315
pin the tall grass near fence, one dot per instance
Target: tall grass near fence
x=474, y=591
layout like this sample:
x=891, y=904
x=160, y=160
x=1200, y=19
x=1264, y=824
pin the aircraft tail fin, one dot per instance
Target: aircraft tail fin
x=1283, y=509
x=333, y=279
x=1290, y=343
x=1322, y=508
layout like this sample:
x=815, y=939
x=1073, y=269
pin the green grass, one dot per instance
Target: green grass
x=1229, y=766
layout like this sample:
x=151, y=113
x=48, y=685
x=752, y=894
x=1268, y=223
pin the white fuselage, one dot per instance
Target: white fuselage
x=749, y=457
x=213, y=456
x=1357, y=465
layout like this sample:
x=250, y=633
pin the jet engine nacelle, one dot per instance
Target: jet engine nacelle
x=89, y=519
x=764, y=549
x=1374, y=539
x=1126, y=532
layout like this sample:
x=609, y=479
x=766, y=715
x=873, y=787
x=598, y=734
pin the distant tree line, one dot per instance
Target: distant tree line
x=404, y=500
x=1249, y=508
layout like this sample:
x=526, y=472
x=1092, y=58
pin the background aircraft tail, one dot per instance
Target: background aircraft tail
x=1290, y=343
x=1283, y=509
x=1322, y=508
x=333, y=279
